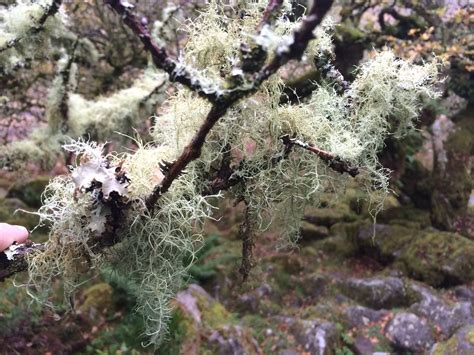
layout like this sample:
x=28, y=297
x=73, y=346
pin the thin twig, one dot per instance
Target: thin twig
x=333, y=161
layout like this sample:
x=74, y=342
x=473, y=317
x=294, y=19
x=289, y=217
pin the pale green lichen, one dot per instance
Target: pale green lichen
x=119, y=112
x=97, y=119
x=384, y=99
x=158, y=247
x=21, y=37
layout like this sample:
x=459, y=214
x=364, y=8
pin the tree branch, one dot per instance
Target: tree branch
x=270, y=12
x=294, y=50
x=13, y=259
x=176, y=71
x=333, y=161
x=221, y=101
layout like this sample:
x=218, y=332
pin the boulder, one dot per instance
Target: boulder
x=315, y=336
x=464, y=293
x=228, y=341
x=435, y=257
x=408, y=332
x=359, y=316
x=377, y=293
x=446, y=317
x=202, y=323
x=310, y=232
x=329, y=215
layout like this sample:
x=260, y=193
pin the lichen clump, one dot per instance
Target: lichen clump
x=98, y=119
x=22, y=37
x=155, y=247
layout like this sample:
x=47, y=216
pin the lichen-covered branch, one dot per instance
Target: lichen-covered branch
x=334, y=162
x=14, y=259
x=177, y=72
x=37, y=27
x=294, y=50
x=270, y=12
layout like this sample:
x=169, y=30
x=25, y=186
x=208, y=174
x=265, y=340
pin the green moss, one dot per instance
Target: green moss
x=330, y=215
x=98, y=297
x=470, y=337
x=350, y=34
x=408, y=216
x=213, y=313
x=439, y=258
x=259, y=326
x=30, y=191
x=181, y=331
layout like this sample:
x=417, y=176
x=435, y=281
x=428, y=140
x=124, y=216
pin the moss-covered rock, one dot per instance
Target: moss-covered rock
x=376, y=293
x=462, y=343
x=327, y=216
x=407, y=216
x=315, y=336
x=438, y=258
x=30, y=191
x=201, y=324
x=311, y=232
x=98, y=299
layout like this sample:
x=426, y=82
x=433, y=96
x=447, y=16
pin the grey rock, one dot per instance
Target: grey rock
x=408, y=332
x=464, y=293
x=316, y=336
x=377, y=293
x=250, y=301
x=448, y=317
x=363, y=345
x=359, y=316
x=315, y=285
x=228, y=345
x=289, y=352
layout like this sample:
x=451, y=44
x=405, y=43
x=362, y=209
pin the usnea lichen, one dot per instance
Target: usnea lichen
x=96, y=119
x=22, y=37
x=155, y=250
x=156, y=247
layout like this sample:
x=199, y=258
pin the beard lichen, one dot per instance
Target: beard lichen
x=97, y=119
x=155, y=248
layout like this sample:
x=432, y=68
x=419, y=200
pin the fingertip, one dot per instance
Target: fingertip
x=22, y=234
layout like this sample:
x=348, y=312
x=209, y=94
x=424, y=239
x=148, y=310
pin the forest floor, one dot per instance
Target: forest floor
x=408, y=288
